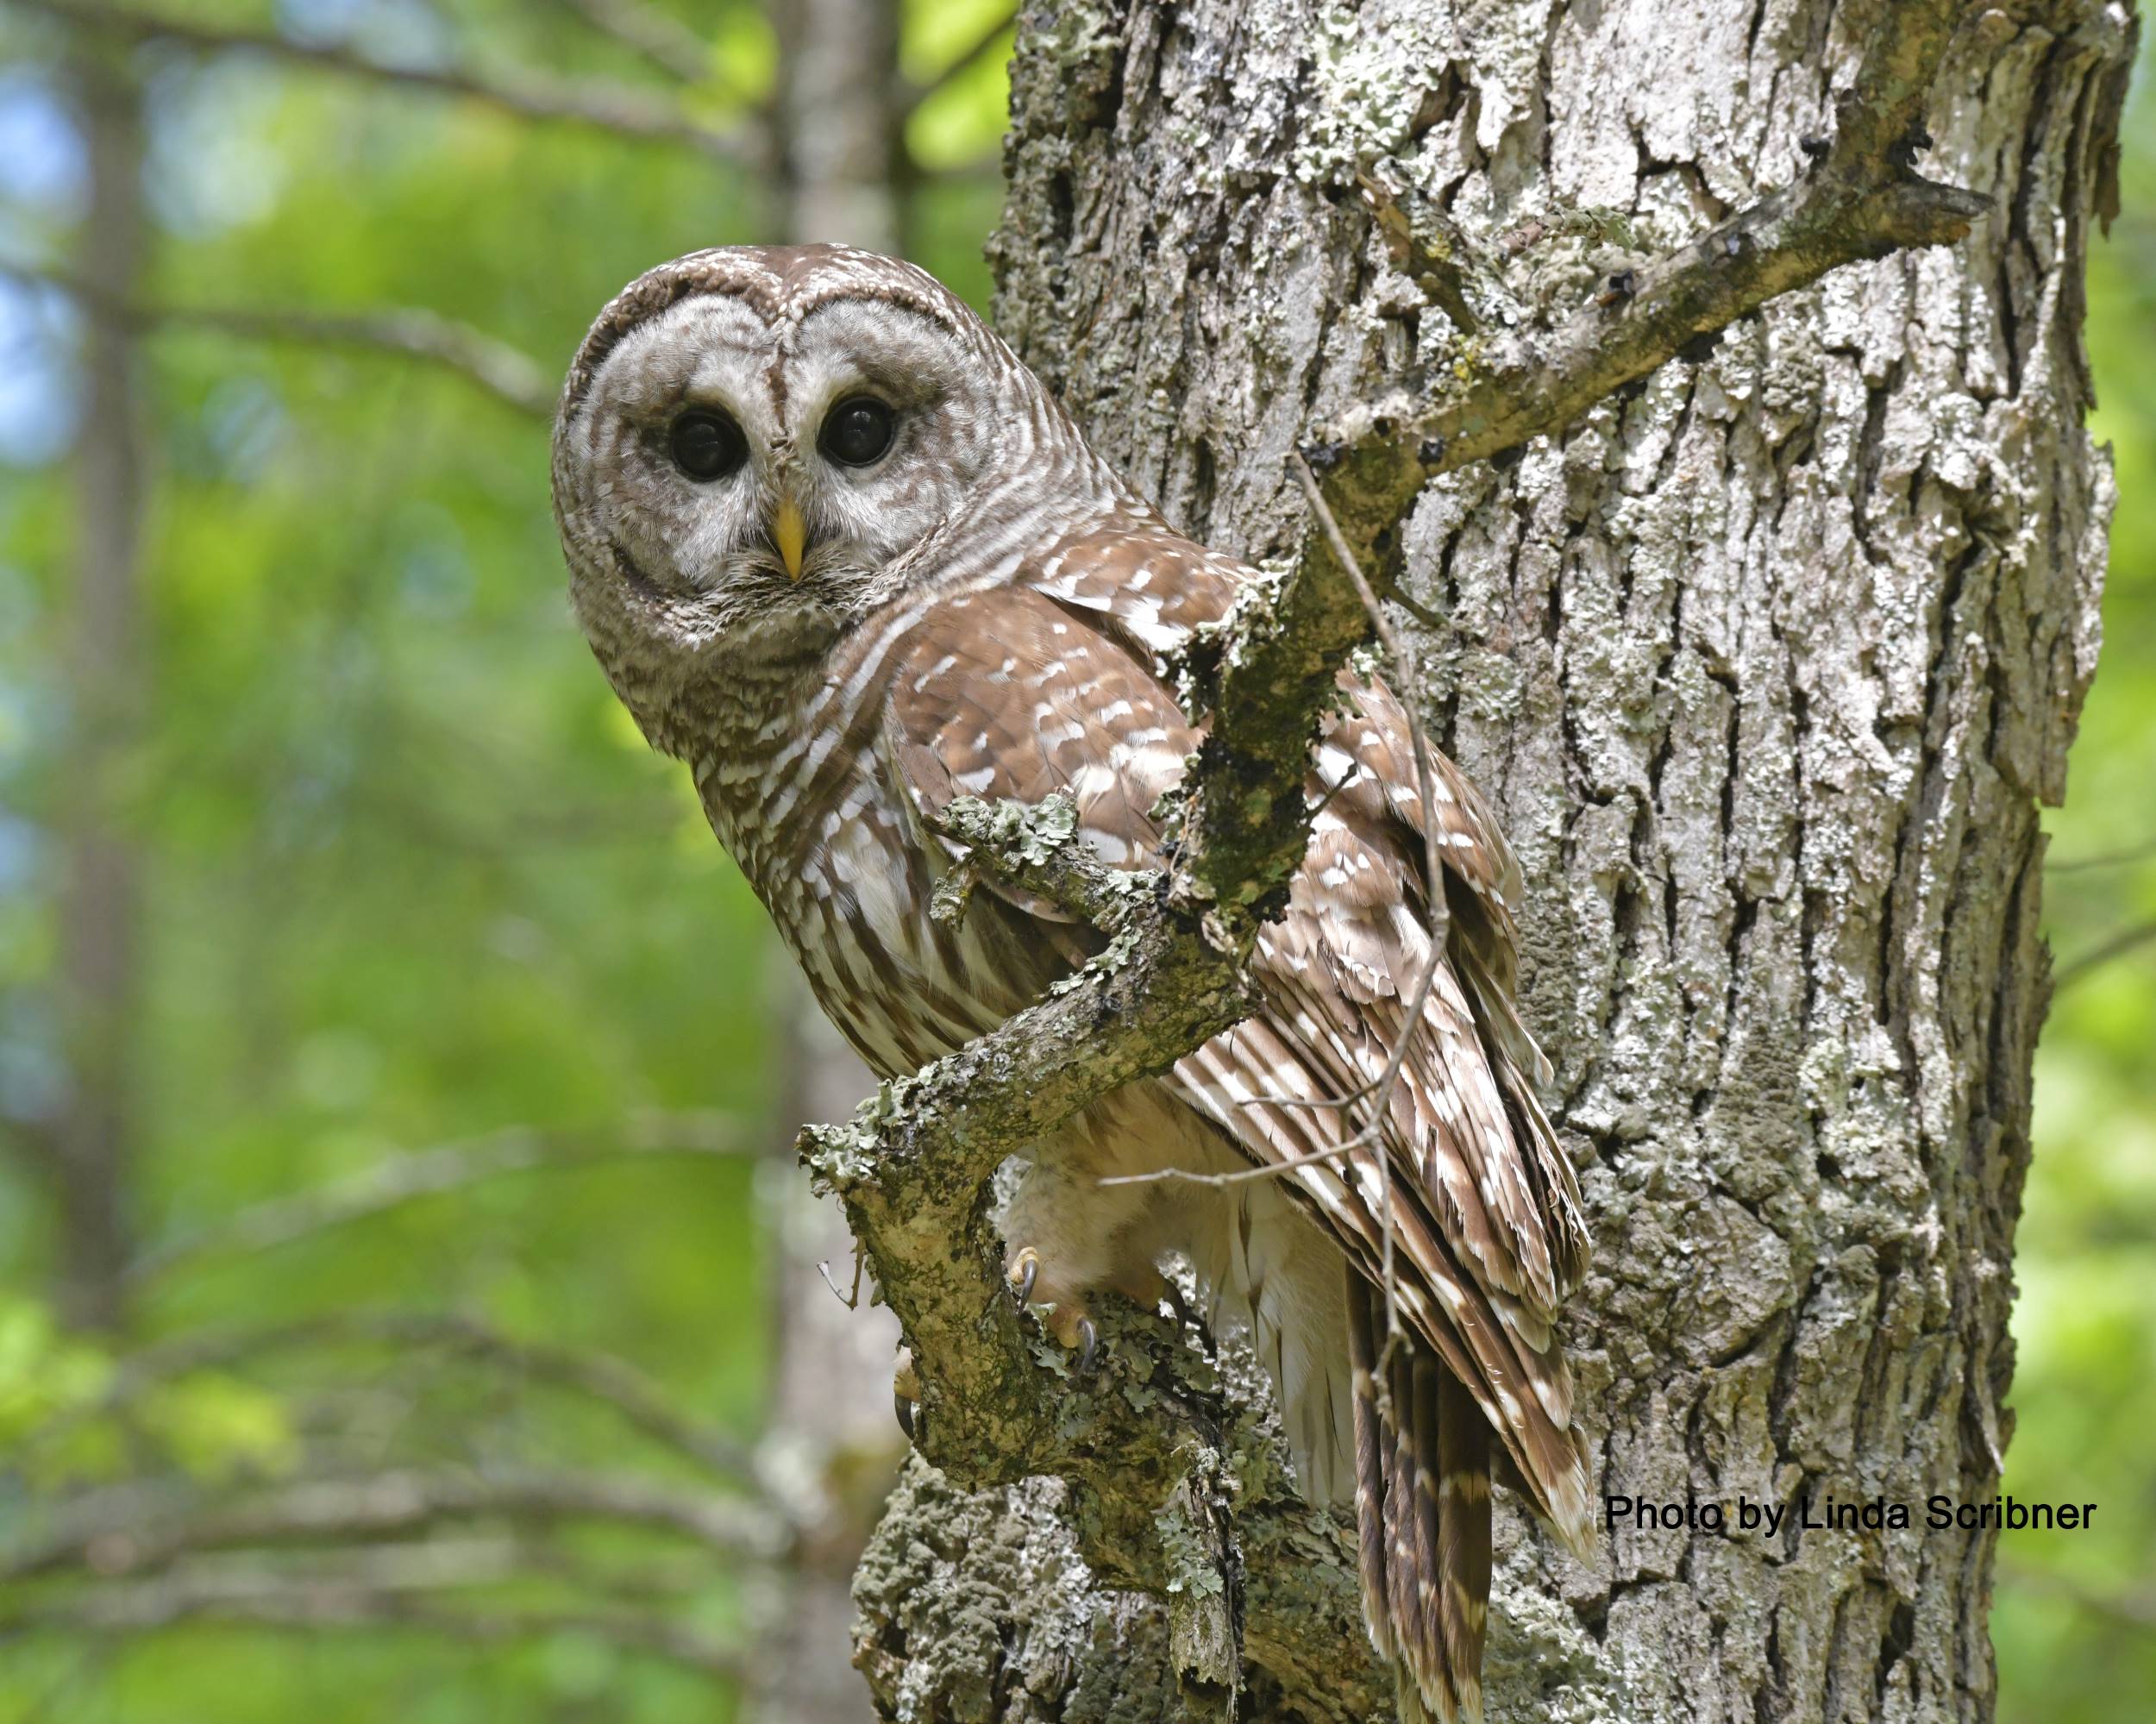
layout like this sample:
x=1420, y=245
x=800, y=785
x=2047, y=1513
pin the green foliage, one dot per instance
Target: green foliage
x=44, y=1376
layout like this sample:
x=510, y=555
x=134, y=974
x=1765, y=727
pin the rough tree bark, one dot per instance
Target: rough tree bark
x=1768, y=664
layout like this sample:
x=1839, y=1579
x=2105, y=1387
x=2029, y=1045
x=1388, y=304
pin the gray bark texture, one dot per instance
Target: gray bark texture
x=1768, y=664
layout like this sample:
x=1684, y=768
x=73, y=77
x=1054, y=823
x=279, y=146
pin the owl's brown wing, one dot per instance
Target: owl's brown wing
x=1056, y=685
x=1003, y=695
x=1487, y=1233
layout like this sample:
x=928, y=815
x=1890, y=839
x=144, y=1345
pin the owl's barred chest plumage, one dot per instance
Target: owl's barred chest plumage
x=795, y=772
x=841, y=553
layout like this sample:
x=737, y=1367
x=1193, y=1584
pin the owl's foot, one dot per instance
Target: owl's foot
x=905, y=1395
x=1065, y=1310
x=1062, y=1311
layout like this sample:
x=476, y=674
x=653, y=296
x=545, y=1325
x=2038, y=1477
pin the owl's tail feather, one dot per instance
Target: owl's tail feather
x=1422, y=1462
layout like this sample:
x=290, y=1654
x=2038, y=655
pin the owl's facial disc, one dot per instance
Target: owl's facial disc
x=746, y=469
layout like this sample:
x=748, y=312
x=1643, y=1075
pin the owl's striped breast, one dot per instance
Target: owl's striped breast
x=806, y=803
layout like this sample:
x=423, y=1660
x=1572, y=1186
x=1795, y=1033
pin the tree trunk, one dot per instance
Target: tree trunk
x=832, y=1416
x=98, y=967
x=1767, y=665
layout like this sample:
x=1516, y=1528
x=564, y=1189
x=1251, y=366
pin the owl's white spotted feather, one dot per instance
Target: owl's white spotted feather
x=982, y=609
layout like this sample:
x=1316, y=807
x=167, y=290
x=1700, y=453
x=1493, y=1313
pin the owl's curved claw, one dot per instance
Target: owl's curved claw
x=1187, y=1318
x=906, y=1396
x=1025, y=1271
x=1089, y=1346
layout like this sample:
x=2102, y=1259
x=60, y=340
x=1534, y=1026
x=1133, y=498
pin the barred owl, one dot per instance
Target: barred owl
x=840, y=552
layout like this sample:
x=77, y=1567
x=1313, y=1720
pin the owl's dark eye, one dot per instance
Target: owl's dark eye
x=857, y=432
x=706, y=446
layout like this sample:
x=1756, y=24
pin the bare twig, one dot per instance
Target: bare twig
x=530, y=96
x=496, y=367
x=850, y=1299
x=2133, y=853
x=2131, y=1607
x=429, y=1173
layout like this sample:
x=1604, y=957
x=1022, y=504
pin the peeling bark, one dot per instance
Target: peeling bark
x=1767, y=661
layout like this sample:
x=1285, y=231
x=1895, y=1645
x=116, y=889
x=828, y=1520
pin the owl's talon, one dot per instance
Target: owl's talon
x=1089, y=1346
x=1025, y=1271
x=905, y=1395
x=1187, y=1318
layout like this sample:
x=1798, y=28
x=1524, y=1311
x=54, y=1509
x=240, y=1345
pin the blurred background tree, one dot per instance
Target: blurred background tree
x=407, y=1301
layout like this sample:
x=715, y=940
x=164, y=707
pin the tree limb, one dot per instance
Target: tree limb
x=528, y=96
x=178, y=1600
x=656, y=37
x=500, y=369
x=912, y=1168
x=429, y=1173
x=1858, y=198
x=602, y=1377
x=135, y=1530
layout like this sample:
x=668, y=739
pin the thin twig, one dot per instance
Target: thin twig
x=530, y=96
x=2103, y=859
x=496, y=367
x=430, y=1173
x=851, y=1301
x=2131, y=1607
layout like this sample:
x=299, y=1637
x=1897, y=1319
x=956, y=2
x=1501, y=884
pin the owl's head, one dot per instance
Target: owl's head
x=756, y=443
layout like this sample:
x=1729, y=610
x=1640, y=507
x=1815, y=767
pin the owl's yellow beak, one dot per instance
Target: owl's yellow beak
x=790, y=534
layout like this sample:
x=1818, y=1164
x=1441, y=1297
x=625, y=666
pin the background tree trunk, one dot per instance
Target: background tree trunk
x=99, y=960
x=833, y=1430
x=1767, y=666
